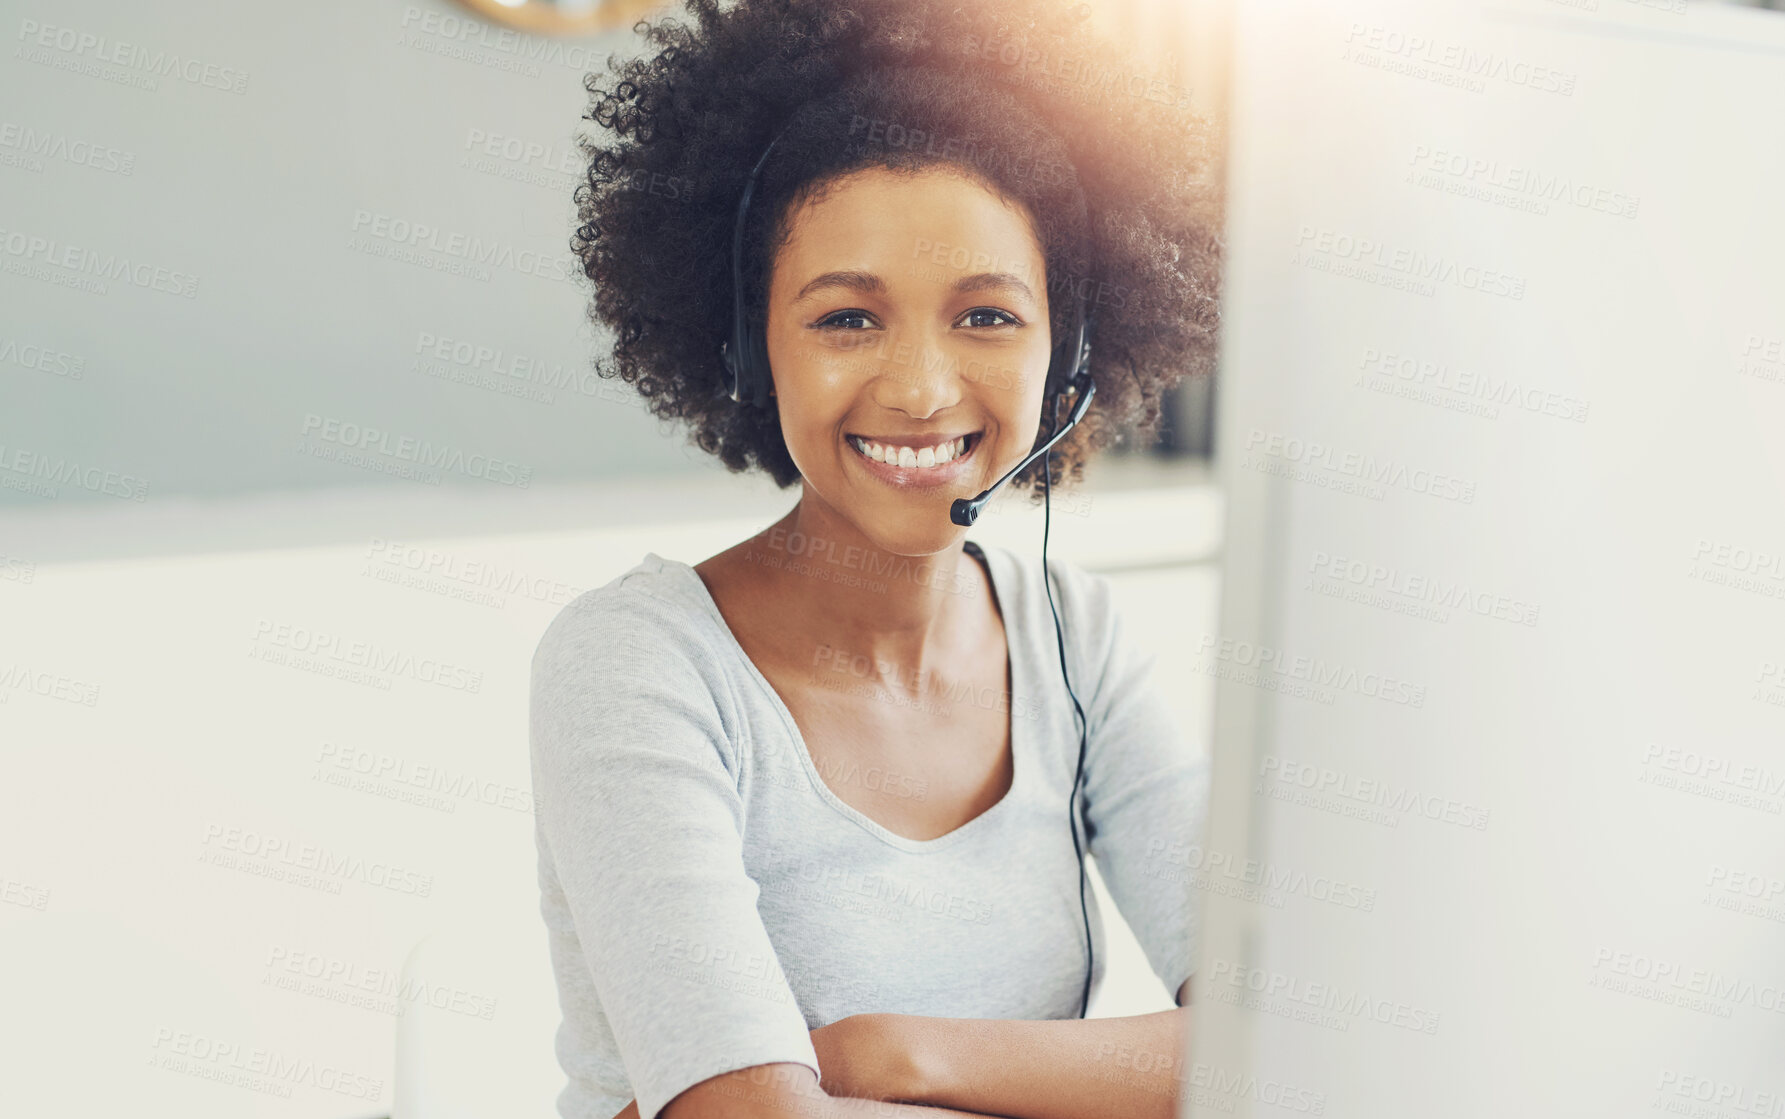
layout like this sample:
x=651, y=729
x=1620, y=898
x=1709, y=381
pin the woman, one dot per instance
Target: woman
x=803, y=807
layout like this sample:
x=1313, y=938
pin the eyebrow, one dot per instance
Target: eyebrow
x=871, y=284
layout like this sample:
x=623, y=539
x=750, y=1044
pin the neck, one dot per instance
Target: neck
x=852, y=597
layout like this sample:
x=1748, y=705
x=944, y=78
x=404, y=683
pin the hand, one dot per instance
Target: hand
x=867, y=1056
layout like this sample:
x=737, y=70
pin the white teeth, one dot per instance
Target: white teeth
x=908, y=458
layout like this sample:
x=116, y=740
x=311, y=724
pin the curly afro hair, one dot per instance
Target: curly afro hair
x=1020, y=94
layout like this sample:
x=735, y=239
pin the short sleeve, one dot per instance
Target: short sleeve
x=638, y=806
x=1146, y=789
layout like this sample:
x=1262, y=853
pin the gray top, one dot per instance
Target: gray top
x=709, y=899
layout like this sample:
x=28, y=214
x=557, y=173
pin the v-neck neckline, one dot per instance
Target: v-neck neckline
x=1019, y=745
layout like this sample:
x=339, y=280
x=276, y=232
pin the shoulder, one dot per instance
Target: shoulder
x=1083, y=598
x=644, y=621
x=628, y=671
x=1090, y=622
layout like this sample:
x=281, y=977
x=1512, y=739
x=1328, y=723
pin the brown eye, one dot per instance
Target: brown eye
x=832, y=320
x=1008, y=318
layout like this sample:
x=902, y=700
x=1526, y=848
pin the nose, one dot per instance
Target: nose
x=917, y=375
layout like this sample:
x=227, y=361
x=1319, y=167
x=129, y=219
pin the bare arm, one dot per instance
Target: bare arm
x=901, y=1066
x=1099, y=1068
x=785, y=1091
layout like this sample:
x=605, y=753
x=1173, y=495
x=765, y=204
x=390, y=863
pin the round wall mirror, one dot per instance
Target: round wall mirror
x=562, y=17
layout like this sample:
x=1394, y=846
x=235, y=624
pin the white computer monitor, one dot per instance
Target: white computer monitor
x=1500, y=708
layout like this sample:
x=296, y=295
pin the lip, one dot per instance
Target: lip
x=915, y=439
x=919, y=477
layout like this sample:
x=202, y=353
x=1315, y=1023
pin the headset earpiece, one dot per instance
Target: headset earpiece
x=743, y=359
x=1067, y=377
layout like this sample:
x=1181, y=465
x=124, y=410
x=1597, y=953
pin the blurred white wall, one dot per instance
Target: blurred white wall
x=236, y=237
x=244, y=780
x=1499, y=771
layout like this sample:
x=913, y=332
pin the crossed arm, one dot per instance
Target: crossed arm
x=903, y=1066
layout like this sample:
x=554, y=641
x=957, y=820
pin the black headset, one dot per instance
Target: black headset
x=744, y=358
x=745, y=377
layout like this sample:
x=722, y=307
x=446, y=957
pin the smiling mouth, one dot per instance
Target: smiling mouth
x=935, y=456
